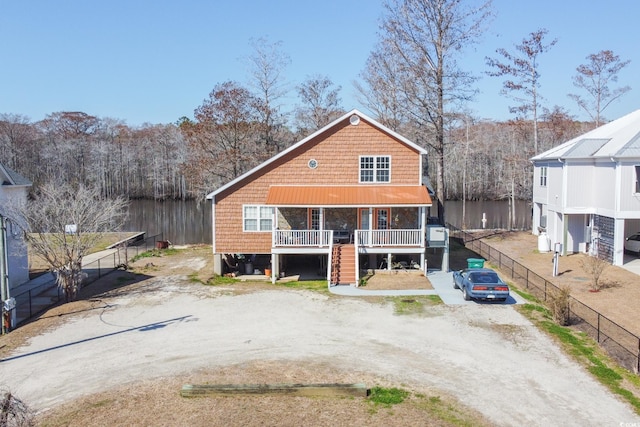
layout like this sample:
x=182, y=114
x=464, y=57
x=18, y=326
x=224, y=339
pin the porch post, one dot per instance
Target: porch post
x=369, y=232
x=423, y=238
x=423, y=226
x=274, y=227
x=445, y=255
x=355, y=240
x=389, y=259
x=274, y=268
x=321, y=226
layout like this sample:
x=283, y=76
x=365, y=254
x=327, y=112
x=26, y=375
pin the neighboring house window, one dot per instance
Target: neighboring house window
x=543, y=176
x=258, y=218
x=375, y=169
x=637, y=168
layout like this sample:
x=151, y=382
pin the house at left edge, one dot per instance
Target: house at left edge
x=14, y=265
x=348, y=198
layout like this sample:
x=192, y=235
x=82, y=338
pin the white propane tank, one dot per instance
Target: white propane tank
x=543, y=242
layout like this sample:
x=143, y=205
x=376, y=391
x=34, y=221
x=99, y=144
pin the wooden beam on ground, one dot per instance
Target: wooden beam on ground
x=306, y=390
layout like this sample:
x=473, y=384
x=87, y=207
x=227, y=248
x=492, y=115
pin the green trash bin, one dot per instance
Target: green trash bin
x=475, y=263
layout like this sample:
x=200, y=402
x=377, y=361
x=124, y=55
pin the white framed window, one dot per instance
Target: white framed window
x=314, y=218
x=543, y=176
x=257, y=218
x=375, y=169
x=637, y=178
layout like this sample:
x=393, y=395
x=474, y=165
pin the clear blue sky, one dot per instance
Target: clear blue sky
x=153, y=61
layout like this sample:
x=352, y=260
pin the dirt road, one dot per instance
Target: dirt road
x=488, y=356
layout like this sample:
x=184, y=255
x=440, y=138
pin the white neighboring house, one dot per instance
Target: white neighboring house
x=13, y=249
x=586, y=192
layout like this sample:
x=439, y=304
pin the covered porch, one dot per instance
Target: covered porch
x=354, y=227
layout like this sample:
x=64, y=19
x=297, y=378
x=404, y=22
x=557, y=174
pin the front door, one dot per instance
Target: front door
x=382, y=219
x=314, y=219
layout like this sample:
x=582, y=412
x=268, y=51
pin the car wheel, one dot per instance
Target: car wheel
x=465, y=294
x=455, y=285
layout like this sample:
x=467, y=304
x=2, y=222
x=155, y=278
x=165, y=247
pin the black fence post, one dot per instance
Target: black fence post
x=598, y=328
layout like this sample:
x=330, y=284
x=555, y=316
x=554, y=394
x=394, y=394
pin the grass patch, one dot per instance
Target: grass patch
x=535, y=308
x=220, y=281
x=387, y=396
x=193, y=278
x=307, y=285
x=449, y=413
x=155, y=253
x=414, y=304
x=526, y=296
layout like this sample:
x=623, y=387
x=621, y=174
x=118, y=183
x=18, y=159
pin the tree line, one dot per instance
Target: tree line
x=411, y=83
x=187, y=159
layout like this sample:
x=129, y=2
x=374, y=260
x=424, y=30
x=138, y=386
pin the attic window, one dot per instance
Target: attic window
x=375, y=169
x=354, y=120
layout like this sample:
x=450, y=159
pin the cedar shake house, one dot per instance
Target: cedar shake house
x=346, y=199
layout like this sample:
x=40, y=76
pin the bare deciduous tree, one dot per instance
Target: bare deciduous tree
x=523, y=82
x=47, y=216
x=594, y=77
x=381, y=94
x=595, y=267
x=320, y=103
x=267, y=65
x=16, y=136
x=223, y=138
x=422, y=40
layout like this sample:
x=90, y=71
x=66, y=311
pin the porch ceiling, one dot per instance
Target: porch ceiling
x=350, y=195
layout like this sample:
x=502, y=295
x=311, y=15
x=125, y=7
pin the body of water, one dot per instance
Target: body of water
x=187, y=222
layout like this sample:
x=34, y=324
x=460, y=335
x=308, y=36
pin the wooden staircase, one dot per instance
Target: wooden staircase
x=343, y=265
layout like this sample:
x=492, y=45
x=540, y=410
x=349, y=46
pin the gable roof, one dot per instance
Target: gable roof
x=617, y=139
x=10, y=177
x=295, y=146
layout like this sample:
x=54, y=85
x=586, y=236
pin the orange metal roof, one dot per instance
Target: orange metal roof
x=354, y=195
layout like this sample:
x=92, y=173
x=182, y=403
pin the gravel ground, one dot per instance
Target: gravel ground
x=487, y=356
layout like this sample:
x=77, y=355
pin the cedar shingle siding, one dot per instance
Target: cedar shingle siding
x=337, y=152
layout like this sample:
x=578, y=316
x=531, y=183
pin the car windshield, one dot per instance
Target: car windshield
x=483, y=277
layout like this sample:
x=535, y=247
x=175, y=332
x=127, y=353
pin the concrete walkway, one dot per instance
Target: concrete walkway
x=442, y=283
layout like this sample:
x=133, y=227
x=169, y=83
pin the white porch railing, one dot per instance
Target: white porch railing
x=388, y=238
x=312, y=238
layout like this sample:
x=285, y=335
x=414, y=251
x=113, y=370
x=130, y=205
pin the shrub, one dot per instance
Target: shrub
x=594, y=266
x=560, y=305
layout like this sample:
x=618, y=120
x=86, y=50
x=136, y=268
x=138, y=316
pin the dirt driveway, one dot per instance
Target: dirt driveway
x=165, y=327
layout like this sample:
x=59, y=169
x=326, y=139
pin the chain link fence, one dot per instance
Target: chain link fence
x=44, y=293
